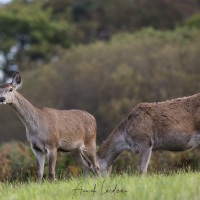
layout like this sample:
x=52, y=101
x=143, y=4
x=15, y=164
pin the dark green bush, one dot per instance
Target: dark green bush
x=193, y=21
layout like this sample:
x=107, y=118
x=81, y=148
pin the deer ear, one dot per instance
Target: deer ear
x=16, y=79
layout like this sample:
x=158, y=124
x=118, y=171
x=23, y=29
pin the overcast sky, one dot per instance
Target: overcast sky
x=5, y=1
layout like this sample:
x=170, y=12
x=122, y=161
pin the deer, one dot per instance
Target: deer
x=50, y=130
x=172, y=125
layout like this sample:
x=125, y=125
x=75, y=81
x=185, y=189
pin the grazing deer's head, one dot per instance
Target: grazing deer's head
x=104, y=167
x=7, y=90
x=105, y=170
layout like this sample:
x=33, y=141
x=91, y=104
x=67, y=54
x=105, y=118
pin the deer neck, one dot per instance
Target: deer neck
x=111, y=148
x=25, y=110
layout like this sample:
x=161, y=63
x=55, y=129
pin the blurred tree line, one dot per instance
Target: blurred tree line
x=105, y=78
x=52, y=25
x=109, y=78
x=103, y=57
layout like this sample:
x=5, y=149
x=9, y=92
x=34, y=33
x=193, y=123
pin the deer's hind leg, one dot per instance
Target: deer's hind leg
x=85, y=165
x=90, y=151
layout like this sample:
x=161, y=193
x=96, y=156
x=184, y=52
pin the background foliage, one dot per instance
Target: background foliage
x=52, y=25
x=109, y=78
x=18, y=163
x=103, y=57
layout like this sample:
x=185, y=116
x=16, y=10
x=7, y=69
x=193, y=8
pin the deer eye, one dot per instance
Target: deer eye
x=11, y=89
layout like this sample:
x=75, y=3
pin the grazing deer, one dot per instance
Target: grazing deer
x=49, y=130
x=171, y=125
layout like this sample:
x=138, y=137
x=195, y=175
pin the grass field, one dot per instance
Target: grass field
x=175, y=186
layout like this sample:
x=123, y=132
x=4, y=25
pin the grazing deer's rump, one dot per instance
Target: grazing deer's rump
x=50, y=130
x=171, y=125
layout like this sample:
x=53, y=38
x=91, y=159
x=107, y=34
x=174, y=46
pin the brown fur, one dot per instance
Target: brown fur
x=171, y=125
x=50, y=130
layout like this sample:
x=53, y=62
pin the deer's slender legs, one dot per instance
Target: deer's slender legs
x=40, y=157
x=91, y=155
x=52, y=156
x=145, y=154
x=84, y=164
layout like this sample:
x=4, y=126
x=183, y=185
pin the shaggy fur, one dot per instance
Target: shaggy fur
x=171, y=125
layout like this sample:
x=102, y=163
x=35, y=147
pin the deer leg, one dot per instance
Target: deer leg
x=40, y=157
x=94, y=163
x=145, y=154
x=52, y=156
x=84, y=164
x=91, y=155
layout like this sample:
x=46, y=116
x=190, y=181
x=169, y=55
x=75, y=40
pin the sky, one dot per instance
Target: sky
x=5, y=1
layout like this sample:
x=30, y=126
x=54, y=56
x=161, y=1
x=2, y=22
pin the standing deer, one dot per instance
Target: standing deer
x=171, y=125
x=49, y=130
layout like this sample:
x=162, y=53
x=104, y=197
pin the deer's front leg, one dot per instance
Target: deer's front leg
x=40, y=156
x=52, y=156
x=145, y=154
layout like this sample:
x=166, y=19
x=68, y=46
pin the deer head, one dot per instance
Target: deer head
x=7, y=90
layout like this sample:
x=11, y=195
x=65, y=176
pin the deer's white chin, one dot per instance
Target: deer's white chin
x=3, y=103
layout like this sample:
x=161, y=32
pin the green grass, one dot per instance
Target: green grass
x=176, y=186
